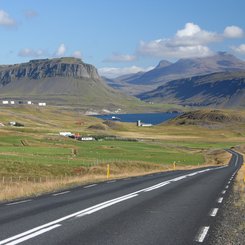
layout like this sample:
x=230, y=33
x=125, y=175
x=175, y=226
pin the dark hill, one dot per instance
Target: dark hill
x=226, y=89
x=209, y=117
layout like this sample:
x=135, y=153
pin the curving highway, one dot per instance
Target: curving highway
x=168, y=208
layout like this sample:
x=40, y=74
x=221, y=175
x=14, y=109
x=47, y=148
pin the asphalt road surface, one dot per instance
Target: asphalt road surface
x=176, y=207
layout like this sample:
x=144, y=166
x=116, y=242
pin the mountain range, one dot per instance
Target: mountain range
x=215, y=81
x=166, y=71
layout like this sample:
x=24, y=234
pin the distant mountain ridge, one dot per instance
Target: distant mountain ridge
x=166, y=71
x=223, y=89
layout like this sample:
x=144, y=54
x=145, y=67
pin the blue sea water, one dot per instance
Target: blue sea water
x=152, y=118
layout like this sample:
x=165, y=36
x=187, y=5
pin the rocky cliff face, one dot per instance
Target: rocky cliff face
x=39, y=69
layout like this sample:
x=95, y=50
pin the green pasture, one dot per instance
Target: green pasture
x=57, y=157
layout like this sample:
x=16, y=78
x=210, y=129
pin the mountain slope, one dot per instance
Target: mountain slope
x=226, y=89
x=62, y=81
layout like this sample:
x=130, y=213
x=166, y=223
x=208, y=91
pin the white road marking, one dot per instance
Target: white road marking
x=223, y=192
x=229, y=182
x=111, y=181
x=24, y=238
x=88, y=186
x=54, y=224
x=214, y=212
x=14, y=203
x=61, y=193
x=157, y=186
x=202, y=234
x=106, y=204
x=227, y=187
x=220, y=200
x=179, y=178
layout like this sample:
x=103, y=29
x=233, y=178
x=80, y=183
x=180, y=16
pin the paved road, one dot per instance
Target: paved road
x=176, y=207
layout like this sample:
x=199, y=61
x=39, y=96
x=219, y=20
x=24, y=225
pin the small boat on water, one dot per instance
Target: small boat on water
x=114, y=118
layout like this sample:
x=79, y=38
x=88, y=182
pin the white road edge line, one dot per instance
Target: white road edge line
x=22, y=239
x=220, y=200
x=88, y=186
x=19, y=202
x=214, y=212
x=202, y=234
x=61, y=193
x=111, y=181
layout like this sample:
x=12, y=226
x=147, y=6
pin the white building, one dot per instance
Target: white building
x=42, y=103
x=87, y=138
x=66, y=134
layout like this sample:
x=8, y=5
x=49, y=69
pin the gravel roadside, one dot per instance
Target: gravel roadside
x=229, y=228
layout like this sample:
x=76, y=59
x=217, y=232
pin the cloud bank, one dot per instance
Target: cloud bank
x=6, y=20
x=191, y=41
x=60, y=51
x=112, y=72
x=120, y=58
x=31, y=53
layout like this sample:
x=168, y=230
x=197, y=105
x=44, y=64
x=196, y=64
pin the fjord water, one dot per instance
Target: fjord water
x=152, y=118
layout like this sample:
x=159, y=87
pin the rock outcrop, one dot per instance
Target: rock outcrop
x=44, y=68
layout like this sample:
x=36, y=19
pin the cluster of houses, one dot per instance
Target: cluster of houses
x=12, y=102
x=76, y=136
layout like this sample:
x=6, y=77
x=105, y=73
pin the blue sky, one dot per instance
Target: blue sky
x=120, y=36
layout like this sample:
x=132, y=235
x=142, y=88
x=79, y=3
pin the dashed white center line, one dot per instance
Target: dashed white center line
x=202, y=234
x=61, y=193
x=214, y=212
x=15, y=203
x=220, y=200
x=88, y=186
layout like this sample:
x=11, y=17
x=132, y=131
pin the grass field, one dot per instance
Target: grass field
x=36, y=150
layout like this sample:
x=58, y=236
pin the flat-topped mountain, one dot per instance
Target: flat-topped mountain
x=43, y=68
x=60, y=81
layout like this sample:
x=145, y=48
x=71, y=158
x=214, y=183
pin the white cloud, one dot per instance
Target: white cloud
x=120, y=58
x=233, y=32
x=240, y=49
x=6, y=20
x=112, y=72
x=191, y=41
x=77, y=54
x=61, y=50
x=31, y=53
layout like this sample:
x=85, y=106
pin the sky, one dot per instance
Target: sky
x=120, y=36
